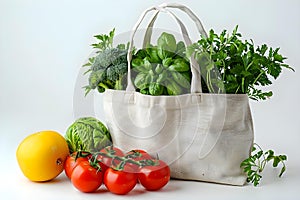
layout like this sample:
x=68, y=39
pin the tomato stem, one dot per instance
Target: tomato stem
x=126, y=159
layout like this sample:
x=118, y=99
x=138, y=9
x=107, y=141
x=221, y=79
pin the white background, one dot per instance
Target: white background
x=44, y=43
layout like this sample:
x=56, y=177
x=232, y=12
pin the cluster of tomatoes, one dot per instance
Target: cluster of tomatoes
x=118, y=171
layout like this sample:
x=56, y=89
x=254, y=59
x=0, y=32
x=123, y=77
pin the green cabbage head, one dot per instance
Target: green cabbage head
x=87, y=134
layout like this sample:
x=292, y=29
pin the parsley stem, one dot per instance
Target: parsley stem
x=236, y=91
x=243, y=85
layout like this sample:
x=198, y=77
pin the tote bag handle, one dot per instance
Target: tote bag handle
x=195, y=19
x=196, y=75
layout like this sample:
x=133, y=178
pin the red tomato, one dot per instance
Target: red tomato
x=71, y=162
x=104, y=167
x=107, y=160
x=86, y=178
x=120, y=182
x=154, y=177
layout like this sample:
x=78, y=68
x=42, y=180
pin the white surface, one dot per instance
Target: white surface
x=60, y=188
x=44, y=43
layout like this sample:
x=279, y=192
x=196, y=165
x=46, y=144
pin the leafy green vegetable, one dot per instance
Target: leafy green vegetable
x=87, y=134
x=255, y=164
x=167, y=62
x=181, y=79
x=166, y=45
x=180, y=49
x=230, y=65
x=156, y=89
x=153, y=54
x=159, y=69
x=108, y=68
x=173, y=88
x=141, y=80
x=179, y=65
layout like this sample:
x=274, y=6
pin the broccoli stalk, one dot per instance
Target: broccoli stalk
x=121, y=82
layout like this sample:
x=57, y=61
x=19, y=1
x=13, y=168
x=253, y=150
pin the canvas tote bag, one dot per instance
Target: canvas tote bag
x=201, y=136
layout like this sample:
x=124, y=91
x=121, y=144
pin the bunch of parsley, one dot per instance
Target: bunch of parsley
x=230, y=65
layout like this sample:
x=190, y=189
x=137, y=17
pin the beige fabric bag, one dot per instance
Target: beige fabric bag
x=201, y=136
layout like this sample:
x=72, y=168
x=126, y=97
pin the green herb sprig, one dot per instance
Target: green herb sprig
x=105, y=41
x=256, y=163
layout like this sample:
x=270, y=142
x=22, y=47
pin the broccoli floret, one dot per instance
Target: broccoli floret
x=112, y=56
x=121, y=58
x=114, y=72
x=111, y=76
